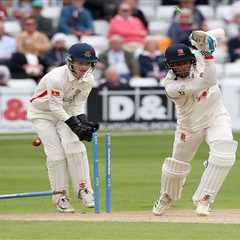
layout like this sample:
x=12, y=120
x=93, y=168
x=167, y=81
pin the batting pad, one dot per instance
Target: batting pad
x=87, y=172
x=221, y=159
x=57, y=173
x=78, y=165
x=76, y=170
x=174, y=173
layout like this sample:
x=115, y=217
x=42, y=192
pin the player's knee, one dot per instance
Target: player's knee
x=55, y=156
x=74, y=147
x=55, y=163
x=223, y=152
x=175, y=168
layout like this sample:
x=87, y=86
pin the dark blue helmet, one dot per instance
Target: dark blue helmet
x=179, y=52
x=82, y=52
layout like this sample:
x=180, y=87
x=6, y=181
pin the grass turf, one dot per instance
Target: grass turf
x=136, y=170
x=115, y=231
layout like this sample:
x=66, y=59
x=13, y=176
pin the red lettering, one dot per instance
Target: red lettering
x=15, y=110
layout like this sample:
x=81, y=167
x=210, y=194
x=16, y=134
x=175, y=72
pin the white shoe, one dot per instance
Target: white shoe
x=161, y=205
x=203, y=207
x=63, y=205
x=87, y=198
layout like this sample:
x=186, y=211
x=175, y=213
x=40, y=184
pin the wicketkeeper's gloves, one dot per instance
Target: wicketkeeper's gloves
x=83, y=119
x=82, y=130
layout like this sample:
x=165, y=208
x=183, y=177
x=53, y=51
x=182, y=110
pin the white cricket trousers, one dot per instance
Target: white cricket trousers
x=66, y=155
x=222, y=154
x=186, y=144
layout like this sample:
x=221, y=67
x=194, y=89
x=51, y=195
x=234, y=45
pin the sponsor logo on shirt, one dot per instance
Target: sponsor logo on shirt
x=55, y=93
x=183, y=137
x=202, y=95
x=181, y=90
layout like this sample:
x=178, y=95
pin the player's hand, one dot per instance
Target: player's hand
x=94, y=125
x=203, y=42
x=82, y=130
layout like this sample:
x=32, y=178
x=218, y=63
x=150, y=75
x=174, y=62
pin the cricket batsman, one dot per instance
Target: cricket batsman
x=57, y=112
x=201, y=116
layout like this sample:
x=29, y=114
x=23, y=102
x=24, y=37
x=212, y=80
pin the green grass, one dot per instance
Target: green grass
x=116, y=231
x=136, y=170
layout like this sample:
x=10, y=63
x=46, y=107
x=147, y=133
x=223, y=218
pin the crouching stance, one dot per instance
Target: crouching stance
x=57, y=113
x=191, y=84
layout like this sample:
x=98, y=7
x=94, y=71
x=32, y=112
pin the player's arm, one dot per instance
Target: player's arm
x=78, y=109
x=206, y=79
x=55, y=100
x=209, y=75
x=206, y=43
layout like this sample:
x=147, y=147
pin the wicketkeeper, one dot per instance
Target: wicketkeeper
x=201, y=116
x=57, y=112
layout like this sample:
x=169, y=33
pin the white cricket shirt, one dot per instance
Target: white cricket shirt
x=59, y=95
x=197, y=98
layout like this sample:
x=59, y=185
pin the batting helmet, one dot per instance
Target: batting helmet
x=82, y=52
x=179, y=53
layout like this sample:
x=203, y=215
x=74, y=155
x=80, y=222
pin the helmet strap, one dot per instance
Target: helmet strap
x=69, y=63
x=71, y=68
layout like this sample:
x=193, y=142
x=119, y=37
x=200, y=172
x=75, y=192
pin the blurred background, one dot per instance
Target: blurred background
x=130, y=38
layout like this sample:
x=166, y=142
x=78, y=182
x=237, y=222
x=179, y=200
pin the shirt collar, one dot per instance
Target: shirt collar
x=72, y=78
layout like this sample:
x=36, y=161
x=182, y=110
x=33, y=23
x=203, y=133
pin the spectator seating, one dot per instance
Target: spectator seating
x=232, y=70
x=12, y=27
x=53, y=13
x=159, y=17
x=147, y=2
x=143, y=82
x=215, y=23
x=158, y=27
x=22, y=83
x=100, y=27
x=71, y=39
x=207, y=11
x=100, y=43
x=224, y=11
x=148, y=11
x=165, y=12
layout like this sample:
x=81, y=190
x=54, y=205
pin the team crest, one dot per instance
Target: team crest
x=180, y=52
x=183, y=137
x=87, y=54
x=55, y=93
x=181, y=90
